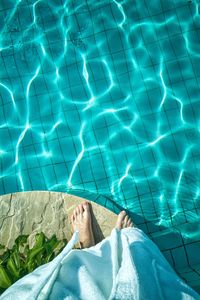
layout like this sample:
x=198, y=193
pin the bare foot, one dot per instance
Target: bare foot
x=81, y=221
x=123, y=221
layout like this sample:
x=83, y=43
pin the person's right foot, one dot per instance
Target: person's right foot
x=123, y=221
x=81, y=221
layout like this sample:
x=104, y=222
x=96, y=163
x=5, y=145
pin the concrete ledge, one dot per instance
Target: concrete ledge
x=49, y=212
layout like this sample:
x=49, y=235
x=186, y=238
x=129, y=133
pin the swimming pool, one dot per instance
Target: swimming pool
x=101, y=99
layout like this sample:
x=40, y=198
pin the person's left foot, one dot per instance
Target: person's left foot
x=81, y=221
x=123, y=221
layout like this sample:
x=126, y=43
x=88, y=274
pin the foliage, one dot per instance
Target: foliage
x=21, y=260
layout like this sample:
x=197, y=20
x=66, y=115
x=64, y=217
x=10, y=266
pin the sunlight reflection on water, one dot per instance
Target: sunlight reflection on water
x=103, y=97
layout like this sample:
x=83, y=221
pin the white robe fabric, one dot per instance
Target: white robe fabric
x=126, y=265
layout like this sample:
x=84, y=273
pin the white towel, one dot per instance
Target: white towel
x=126, y=265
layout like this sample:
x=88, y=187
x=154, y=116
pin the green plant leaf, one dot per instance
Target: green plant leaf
x=17, y=259
x=34, y=251
x=21, y=260
x=4, y=257
x=39, y=239
x=21, y=240
x=12, y=268
x=5, y=280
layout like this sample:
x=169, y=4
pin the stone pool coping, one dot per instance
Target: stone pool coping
x=48, y=212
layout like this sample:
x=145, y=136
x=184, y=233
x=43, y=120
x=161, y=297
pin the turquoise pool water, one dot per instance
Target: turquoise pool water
x=101, y=98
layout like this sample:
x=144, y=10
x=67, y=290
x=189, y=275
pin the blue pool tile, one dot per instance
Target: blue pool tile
x=167, y=254
x=141, y=13
x=179, y=47
x=195, y=66
x=5, y=136
x=192, y=251
x=191, y=276
x=8, y=161
x=191, y=215
x=77, y=177
x=36, y=178
x=143, y=58
x=98, y=161
x=103, y=184
x=195, y=285
x=68, y=147
x=90, y=186
x=169, y=47
x=143, y=227
x=138, y=219
x=186, y=67
x=183, y=12
x=152, y=49
x=63, y=129
x=49, y=174
x=73, y=117
x=11, y=184
x=179, y=257
x=180, y=218
x=41, y=86
x=75, y=74
x=101, y=200
x=61, y=171
x=174, y=71
x=30, y=155
x=56, y=152
x=26, y=181
x=151, y=227
x=197, y=267
x=168, y=240
x=35, y=107
x=86, y=168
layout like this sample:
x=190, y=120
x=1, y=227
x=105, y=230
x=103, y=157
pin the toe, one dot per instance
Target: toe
x=122, y=213
x=80, y=215
x=120, y=219
x=81, y=208
x=72, y=218
x=86, y=203
x=74, y=211
x=129, y=222
x=73, y=221
x=75, y=214
x=77, y=210
x=86, y=206
x=125, y=221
